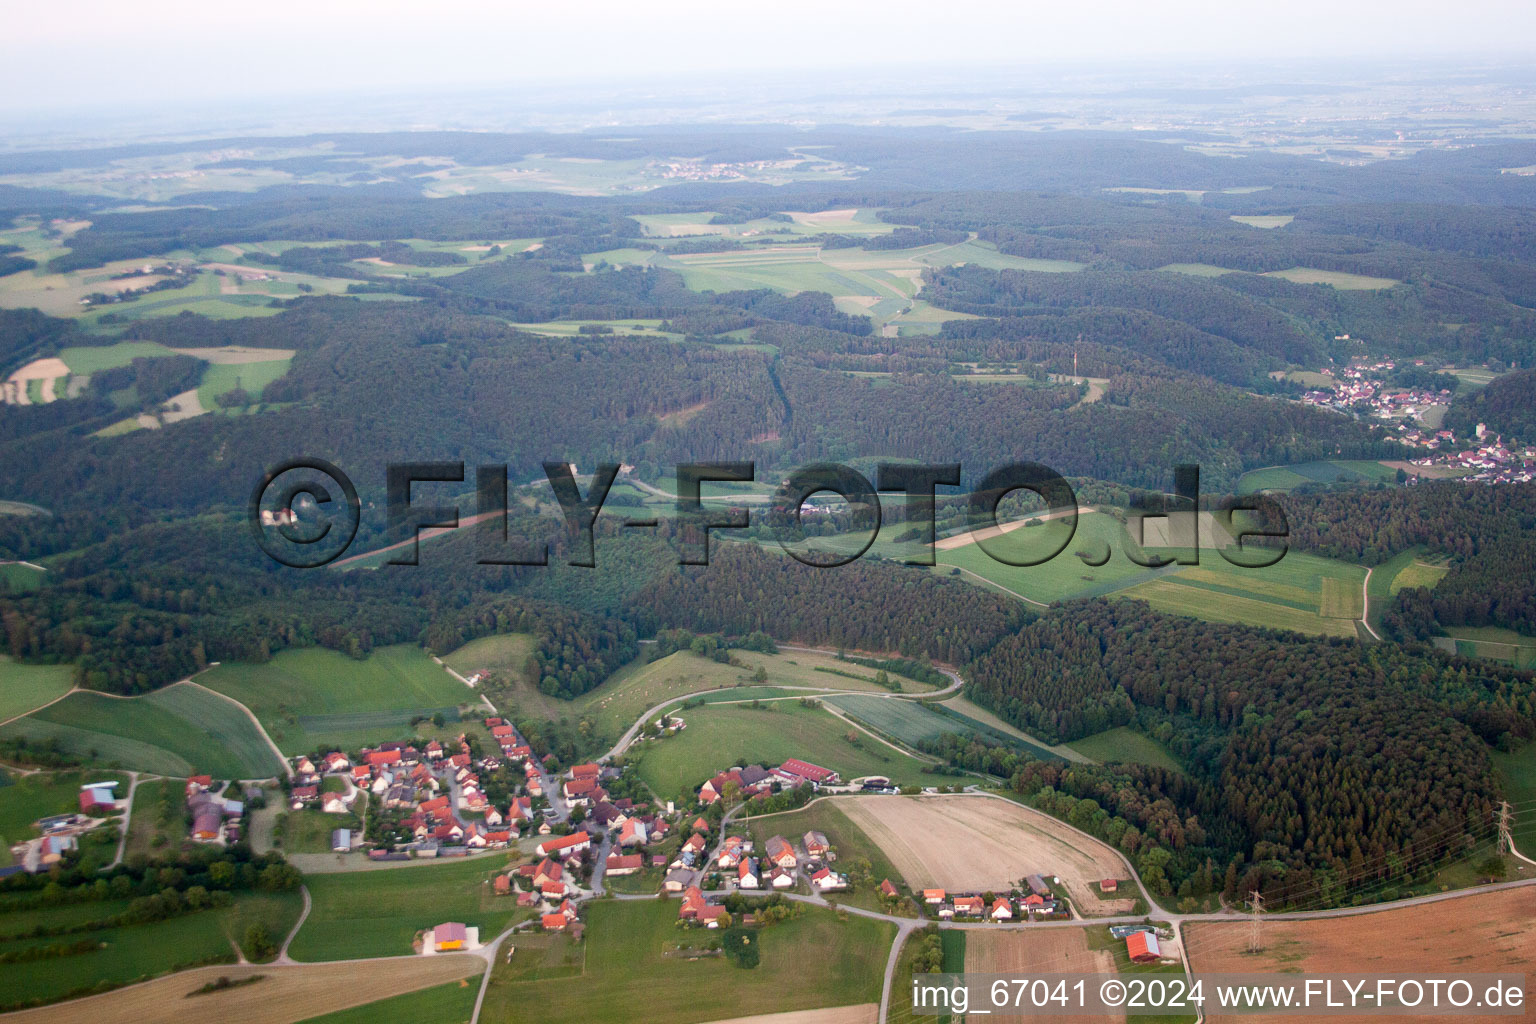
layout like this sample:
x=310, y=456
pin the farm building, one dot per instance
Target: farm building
x=624, y=863
x=341, y=840
x=1037, y=885
x=816, y=844
x=809, y=772
x=98, y=794
x=1109, y=885
x=576, y=842
x=933, y=897
x=449, y=936
x=1143, y=948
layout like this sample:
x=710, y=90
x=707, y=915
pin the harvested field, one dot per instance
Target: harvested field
x=47, y=371
x=1029, y=952
x=182, y=407
x=1491, y=932
x=237, y=354
x=864, y=1013
x=972, y=844
x=961, y=540
x=287, y=993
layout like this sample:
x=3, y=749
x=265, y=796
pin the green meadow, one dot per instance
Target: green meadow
x=378, y=913
x=1126, y=746
x=138, y=952
x=631, y=953
x=312, y=697
x=912, y=722
x=16, y=578
x=1283, y=478
x=1491, y=642
x=1062, y=577
x=180, y=730
x=24, y=687
x=452, y=1003
x=1301, y=592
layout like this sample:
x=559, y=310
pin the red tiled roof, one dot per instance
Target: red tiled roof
x=806, y=770
x=556, y=843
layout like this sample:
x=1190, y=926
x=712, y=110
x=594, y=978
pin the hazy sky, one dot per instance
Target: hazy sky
x=67, y=54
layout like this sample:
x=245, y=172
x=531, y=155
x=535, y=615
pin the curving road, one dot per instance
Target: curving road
x=955, y=683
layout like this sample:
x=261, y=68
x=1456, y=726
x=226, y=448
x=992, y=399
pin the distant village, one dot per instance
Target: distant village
x=1363, y=389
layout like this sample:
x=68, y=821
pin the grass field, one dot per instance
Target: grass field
x=1301, y=592
x=901, y=1008
x=721, y=736
x=180, y=730
x=25, y=798
x=857, y=854
x=1099, y=940
x=309, y=830
x=812, y=961
x=877, y=283
x=24, y=687
x=221, y=378
x=1063, y=577
x=1492, y=642
x=452, y=1003
x=1283, y=478
x=974, y=712
x=1126, y=746
x=314, y=697
x=95, y=358
x=911, y=722
x=159, y=818
x=16, y=578
x=135, y=953
x=378, y=913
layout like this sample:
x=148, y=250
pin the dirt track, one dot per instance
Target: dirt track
x=973, y=844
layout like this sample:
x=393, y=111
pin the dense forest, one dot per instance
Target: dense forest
x=1506, y=405
x=1284, y=736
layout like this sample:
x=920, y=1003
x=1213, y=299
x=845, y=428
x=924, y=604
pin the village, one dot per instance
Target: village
x=577, y=835
x=1363, y=389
